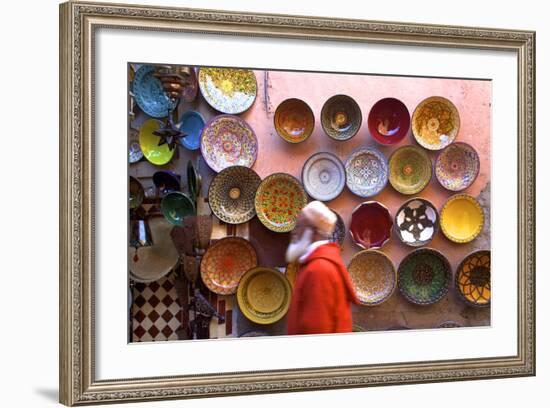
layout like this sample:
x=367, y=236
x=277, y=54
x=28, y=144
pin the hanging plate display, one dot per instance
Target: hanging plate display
x=227, y=140
x=228, y=90
x=341, y=117
x=278, y=201
x=457, y=166
x=324, y=176
x=232, y=192
x=294, y=120
x=264, y=295
x=473, y=279
x=225, y=262
x=373, y=275
x=175, y=206
x=191, y=124
x=461, y=218
x=416, y=222
x=389, y=121
x=366, y=172
x=371, y=225
x=435, y=123
x=149, y=94
x=424, y=276
x=410, y=170
x=339, y=233
x=149, y=143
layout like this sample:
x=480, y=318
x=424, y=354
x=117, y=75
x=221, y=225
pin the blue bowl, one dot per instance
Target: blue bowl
x=149, y=94
x=191, y=124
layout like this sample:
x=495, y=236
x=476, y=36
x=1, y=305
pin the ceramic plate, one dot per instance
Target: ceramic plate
x=371, y=225
x=341, y=117
x=232, y=192
x=457, y=166
x=366, y=172
x=416, y=222
x=155, y=154
x=435, y=123
x=373, y=276
x=278, y=201
x=227, y=140
x=389, y=121
x=228, y=90
x=151, y=263
x=175, y=206
x=410, y=170
x=424, y=276
x=149, y=94
x=324, y=176
x=339, y=233
x=294, y=120
x=137, y=194
x=461, y=218
x=225, y=262
x=264, y=295
x=191, y=124
x=473, y=279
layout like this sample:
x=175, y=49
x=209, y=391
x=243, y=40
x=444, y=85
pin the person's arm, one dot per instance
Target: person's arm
x=317, y=301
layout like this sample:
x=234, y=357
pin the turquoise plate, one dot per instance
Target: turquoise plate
x=191, y=124
x=149, y=94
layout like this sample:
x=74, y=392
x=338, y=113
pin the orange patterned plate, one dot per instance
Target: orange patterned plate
x=373, y=275
x=435, y=123
x=279, y=199
x=225, y=263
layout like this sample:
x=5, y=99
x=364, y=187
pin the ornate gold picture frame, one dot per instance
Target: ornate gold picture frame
x=78, y=25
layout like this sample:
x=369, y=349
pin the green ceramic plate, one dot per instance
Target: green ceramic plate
x=175, y=206
x=410, y=170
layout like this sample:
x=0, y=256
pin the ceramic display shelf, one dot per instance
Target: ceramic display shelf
x=473, y=279
x=228, y=90
x=435, y=123
x=149, y=94
x=410, y=170
x=324, y=176
x=366, y=172
x=389, y=121
x=341, y=117
x=294, y=120
x=457, y=166
x=461, y=218
x=416, y=222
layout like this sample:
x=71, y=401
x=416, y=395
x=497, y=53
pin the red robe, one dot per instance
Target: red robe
x=322, y=295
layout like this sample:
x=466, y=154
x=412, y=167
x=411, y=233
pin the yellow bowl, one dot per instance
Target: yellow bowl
x=158, y=155
x=461, y=218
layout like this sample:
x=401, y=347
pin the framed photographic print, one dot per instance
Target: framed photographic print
x=256, y=203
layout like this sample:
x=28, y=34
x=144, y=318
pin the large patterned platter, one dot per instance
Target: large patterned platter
x=228, y=90
x=225, y=262
x=373, y=275
x=324, y=176
x=366, y=172
x=226, y=141
x=416, y=222
x=341, y=117
x=149, y=94
x=435, y=123
x=279, y=199
x=232, y=192
x=264, y=295
x=424, y=276
x=410, y=169
x=457, y=166
x=473, y=278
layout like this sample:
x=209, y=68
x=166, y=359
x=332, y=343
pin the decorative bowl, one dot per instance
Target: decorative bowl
x=136, y=193
x=226, y=141
x=371, y=225
x=389, y=121
x=134, y=150
x=294, y=120
x=232, y=192
x=410, y=170
x=166, y=181
x=225, y=262
x=339, y=233
x=149, y=94
x=373, y=275
x=341, y=117
x=175, y=206
x=424, y=276
x=324, y=176
x=149, y=143
x=473, y=279
x=191, y=124
x=278, y=201
x=435, y=123
x=228, y=90
x=461, y=218
x=264, y=295
x=457, y=166
x=150, y=263
x=366, y=172
x=416, y=222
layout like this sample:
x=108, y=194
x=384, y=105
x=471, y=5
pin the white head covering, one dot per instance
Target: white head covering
x=320, y=216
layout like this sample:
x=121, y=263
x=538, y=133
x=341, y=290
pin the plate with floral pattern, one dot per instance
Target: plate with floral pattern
x=457, y=166
x=228, y=140
x=228, y=90
x=373, y=275
x=324, y=176
x=225, y=262
x=366, y=172
x=279, y=199
x=435, y=123
x=410, y=170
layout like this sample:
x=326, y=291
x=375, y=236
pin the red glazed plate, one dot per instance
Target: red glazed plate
x=389, y=121
x=371, y=225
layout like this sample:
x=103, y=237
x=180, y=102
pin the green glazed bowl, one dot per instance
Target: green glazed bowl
x=175, y=206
